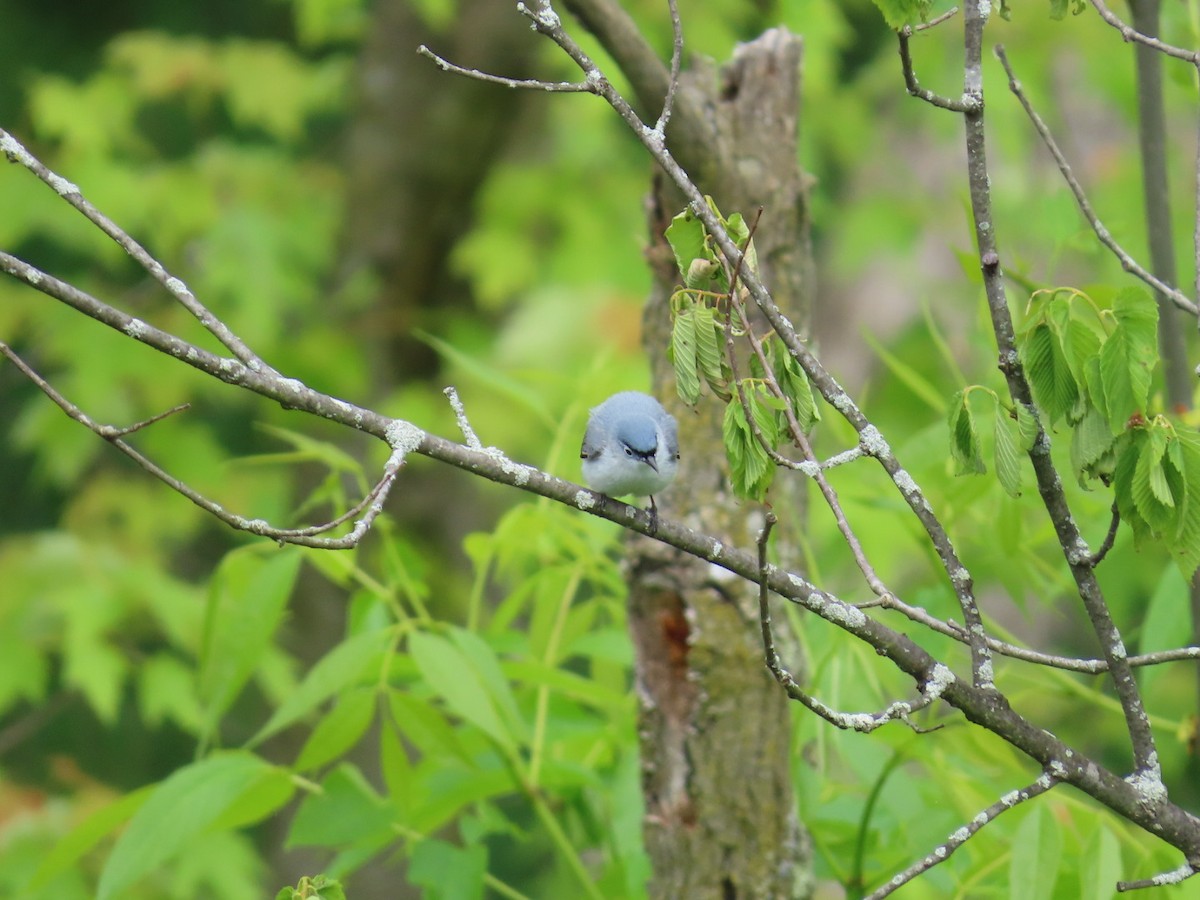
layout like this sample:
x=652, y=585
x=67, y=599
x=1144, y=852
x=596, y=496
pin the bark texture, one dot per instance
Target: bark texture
x=715, y=727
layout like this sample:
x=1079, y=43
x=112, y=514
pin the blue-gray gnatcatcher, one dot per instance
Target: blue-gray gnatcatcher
x=631, y=446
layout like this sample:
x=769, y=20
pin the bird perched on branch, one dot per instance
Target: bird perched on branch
x=630, y=447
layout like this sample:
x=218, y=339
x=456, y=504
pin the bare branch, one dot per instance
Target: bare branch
x=676, y=56
x=931, y=689
x=1128, y=263
x=1109, y=539
x=1129, y=33
x=564, y=87
x=1175, y=876
x=913, y=86
x=943, y=851
x=15, y=152
x=373, y=502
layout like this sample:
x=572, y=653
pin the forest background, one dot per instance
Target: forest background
x=493, y=240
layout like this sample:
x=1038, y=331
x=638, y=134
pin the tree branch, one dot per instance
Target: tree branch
x=943, y=851
x=1128, y=263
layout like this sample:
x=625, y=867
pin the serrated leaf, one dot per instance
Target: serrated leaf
x=1148, y=478
x=1081, y=338
x=898, y=13
x=751, y=471
x=964, y=437
x=685, y=234
x=1128, y=356
x=1008, y=458
x=1185, y=543
x=1054, y=386
x=708, y=349
x=740, y=233
x=1091, y=441
x=795, y=385
x=683, y=355
x=1027, y=426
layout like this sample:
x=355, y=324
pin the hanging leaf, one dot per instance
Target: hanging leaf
x=1008, y=458
x=685, y=234
x=750, y=466
x=1128, y=357
x=709, y=336
x=1027, y=426
x=1091, y=442
x=964, y=437
x=682, y=354
x=1054, y=386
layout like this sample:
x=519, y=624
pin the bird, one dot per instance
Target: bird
x=630, y=447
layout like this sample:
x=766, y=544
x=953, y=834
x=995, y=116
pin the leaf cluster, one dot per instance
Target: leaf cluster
x=760, y=407
x=1090, y=368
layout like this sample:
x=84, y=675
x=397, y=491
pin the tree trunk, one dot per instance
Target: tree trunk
x=715, y=728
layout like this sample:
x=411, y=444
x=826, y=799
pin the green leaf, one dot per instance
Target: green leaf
x=794, y=383
x=898, y=13
x=184, y=806
x=682, y=354
x=1027, y=425
x=1045, y=365
x=739, y=231
x=1036, y=856
x=342, y=666
x=1185, y=543
x=751, y=468
x=709, y=336
x=1060, y=8
x=686, y=236
x=316, y=888
x=1149, y=480
x=246, y=605
x=452, y=676
x=964, y=436
x=1101, y=868
x=86, y=835
x=1008, y=457
x=340, y=730
x=448, y=872
x=1168, y=606
x=346, y=810
x=1128, y=356
x=1091, y=443
x=396, y=769
x=480, y=655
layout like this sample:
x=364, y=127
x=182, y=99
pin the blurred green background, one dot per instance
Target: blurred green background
x=380, y=230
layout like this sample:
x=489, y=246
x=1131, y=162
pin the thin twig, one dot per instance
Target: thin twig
x=900, y=710
x=676, y=56
x=562, y=87
x=1128, y=263
x=943, y=851
x=372, y=503
x=15, y=152
x=1129, y=33
x=1109, y=539
x=913, y=86
x=1175, y=876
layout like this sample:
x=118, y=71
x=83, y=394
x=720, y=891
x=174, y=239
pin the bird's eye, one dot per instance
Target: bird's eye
x=629, y=451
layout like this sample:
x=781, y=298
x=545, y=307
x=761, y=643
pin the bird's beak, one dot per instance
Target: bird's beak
x=651, y=463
